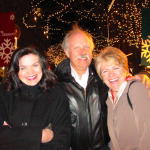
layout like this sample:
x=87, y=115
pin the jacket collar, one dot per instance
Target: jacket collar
x=63, y=70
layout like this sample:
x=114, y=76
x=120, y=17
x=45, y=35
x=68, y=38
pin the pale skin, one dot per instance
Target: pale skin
x=30, y=73
x=79, y=52
x=113, y=75
x=144, y=79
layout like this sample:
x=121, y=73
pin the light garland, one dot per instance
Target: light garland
x=55, y=54
x=110, y=24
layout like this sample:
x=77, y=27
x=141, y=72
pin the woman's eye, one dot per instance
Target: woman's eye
x=21, y=68
x=104, y=72
x=117, y=68
x=36, y=65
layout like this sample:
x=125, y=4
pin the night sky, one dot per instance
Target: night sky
x=28, y=36
x=90, y=15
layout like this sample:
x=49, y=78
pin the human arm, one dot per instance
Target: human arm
x=27, y=118
x=141, y=103
x=15, y=133
x=47, y=134
x=60, y=121
x=19, y=137
x=143, y=76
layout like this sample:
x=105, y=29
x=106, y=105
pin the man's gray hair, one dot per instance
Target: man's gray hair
x=76, y=29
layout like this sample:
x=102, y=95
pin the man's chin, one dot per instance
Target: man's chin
x=83, y=68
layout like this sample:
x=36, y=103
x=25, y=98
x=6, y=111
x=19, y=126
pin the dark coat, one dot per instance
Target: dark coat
x=29, y=110
x=88, y=109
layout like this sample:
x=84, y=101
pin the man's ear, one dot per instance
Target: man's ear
x=67, y=52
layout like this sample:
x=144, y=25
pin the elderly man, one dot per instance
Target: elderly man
x=86, y=92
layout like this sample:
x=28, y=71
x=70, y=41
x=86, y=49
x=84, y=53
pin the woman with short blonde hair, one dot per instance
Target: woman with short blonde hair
x=128, y=102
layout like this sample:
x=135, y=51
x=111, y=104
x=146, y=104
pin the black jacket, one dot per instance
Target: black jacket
x=29, y=110
x=88, y=109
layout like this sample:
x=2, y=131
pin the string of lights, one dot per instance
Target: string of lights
x=111, y=23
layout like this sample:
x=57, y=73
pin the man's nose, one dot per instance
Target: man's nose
x=83, y=51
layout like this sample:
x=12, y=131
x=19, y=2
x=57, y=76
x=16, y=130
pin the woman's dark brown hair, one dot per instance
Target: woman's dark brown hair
x=12, y=81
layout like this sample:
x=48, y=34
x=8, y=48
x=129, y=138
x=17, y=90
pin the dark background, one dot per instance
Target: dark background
x=96, y=26
x=28, y=36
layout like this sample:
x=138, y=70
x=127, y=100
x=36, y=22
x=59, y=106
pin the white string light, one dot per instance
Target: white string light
x=109, y=24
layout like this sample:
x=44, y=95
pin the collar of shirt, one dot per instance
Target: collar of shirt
x=119, y=93
x=84, y=78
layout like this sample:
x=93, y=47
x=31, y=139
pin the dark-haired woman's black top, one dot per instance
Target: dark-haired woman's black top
x=29, y=110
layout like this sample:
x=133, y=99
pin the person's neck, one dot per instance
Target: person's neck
x=79, y=72
x=114, y=94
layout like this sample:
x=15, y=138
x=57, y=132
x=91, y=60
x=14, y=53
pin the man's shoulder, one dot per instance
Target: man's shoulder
x=62, y=69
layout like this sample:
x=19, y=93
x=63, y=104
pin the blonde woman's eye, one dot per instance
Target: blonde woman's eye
x=104, y=72
x=117, y=68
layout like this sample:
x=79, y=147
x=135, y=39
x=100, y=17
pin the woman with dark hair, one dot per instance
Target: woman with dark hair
x=34, y=111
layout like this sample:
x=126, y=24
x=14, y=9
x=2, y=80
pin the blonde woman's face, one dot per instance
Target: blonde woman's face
x=113, y=74
x=30, y=70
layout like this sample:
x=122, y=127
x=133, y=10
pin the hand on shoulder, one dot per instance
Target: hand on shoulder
x=47, y=135
x=142, y=77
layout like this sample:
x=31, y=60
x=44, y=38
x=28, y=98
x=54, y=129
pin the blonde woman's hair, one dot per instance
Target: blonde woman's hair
x=108, y=54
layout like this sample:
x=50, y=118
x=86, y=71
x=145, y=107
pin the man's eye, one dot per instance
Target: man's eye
x=77, y=48
x=87, y=47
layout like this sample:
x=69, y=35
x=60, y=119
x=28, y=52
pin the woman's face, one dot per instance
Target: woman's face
x=30, y=70
x=113, y=74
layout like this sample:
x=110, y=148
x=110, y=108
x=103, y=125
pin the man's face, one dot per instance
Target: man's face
x=79, y=51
